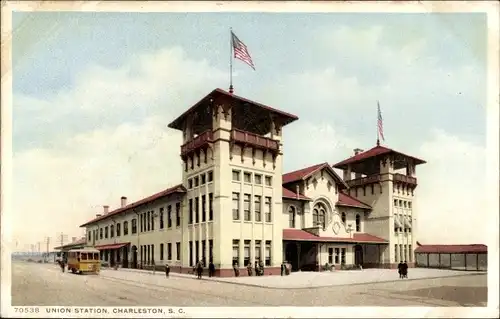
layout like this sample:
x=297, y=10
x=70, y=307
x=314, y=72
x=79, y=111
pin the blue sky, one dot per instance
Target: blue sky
x=84, y=80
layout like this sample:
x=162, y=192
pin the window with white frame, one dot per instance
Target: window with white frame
x=246, y=251
x=236, y=206
x=257, y=249
x=257, y=204
x=246, y=207
x=291, y=216
x=319, y=215
x=236, y=176
x=330, y=256
x=358, y=223
x=247, y=177
x=342, y=256
x=267, y=209
x=258, y=179
x=268, y=253
x=268, y=180
x=337, y=255
x=236, y=252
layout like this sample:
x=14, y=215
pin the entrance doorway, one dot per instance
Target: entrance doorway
x=125, y=257
x=292, y=255
x=134, y=256
x=358, y=255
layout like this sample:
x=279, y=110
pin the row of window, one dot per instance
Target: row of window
x=319, y=217
x=247, y=255
x=402, y=189
x=194, y=216
x=147, y=253
x=257, y=178
x=111, y=231
x=247, y=207
x=339, y=256
x=201, y=179
x=402, y=203
x=189, y=162
x=403, y=253
x=194, y=254
x=354, y=191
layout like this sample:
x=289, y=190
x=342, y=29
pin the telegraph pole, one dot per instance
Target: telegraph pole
x=62, y=237
x=47, y=241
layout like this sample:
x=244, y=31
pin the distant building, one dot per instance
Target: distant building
x=75, y=244
x=458, y=257
x=235, y=206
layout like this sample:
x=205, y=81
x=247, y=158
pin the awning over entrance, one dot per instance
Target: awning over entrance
x=302, y=235
x=111, y=246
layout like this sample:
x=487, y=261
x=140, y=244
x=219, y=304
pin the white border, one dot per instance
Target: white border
x=492, y=8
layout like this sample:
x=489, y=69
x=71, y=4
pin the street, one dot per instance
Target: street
x=45, y=285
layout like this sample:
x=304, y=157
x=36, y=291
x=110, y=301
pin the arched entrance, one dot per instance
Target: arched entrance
x=358, y=255
x=125, y=257
x=134, y=256
x=292, y=255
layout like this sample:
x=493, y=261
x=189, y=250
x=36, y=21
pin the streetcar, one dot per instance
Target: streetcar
x=84, y=260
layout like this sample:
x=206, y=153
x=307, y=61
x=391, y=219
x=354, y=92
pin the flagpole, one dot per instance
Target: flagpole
x=231, y=60
x=378, y=132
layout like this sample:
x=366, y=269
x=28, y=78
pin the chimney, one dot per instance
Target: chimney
x=357, y=151
x=98, y=215
x=73, y=239
x=106, y=209
x=123, y=201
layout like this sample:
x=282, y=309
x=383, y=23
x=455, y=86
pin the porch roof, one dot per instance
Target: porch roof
x=111, y=246
x=302, y=235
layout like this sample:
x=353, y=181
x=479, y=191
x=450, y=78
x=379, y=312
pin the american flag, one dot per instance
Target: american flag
x=240, y=51
x=380, y=123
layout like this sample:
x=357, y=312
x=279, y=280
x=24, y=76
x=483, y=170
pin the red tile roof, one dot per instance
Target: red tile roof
x=287, y=116
x=452, y=249
x=111, y=246
x=176, y=189
x=292, y=195
x=304, y=173
x=377, y=150
x=302, y=235
x=349, y=201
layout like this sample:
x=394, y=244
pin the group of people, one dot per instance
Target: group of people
x=403, y=269
x=259, y=268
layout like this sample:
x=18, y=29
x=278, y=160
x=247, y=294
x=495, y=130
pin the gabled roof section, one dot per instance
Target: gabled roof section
x=303, y=174
x=287, y=117
x=375, y=151
x=349, y=201
x=292, y=195
x=176, y=189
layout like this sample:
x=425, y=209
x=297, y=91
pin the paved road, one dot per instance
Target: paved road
x=46, y=285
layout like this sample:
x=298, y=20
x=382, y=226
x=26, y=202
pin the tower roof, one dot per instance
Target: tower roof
x=244, y=106
x=373, y=153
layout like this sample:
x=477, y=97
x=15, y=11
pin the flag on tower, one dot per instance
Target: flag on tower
x=240, y=51
x=380, y=123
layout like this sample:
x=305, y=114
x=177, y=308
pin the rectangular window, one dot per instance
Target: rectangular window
x=236, y=206
x=342, y=256
x=141, y=223
x=177, y=214
x=134, y=226
x=169, y=216
x=396, y=253
x=409, y=205
x=89, y=236
x=191, y=254
x=236, y=252
x=197, y=250
x=257, y=249
x=178, y=250
x=118, y=229
x=268, y=180
x=247, y=177
x=267, y=209
x=337, y=255
x=111, y=231
x=395, y=203
x=246, y=207
x=190, y=183
x=203, y=249
x=236, y=176
x=246, y=251
x=210, y=250
x=161, y=218
x=197, y=209
x=148, y=221
x=196, y=181
x=203, y=208
x=169, y=251
x=100, y=233
x=268, y=253
x=152, y=216
x=258, y=179
x=162, y=247
x=203, y=179
x=125, y=228
x=190, y=211
x=210, y=206
x=330, y=256
x=106, y=232
x=210, y=176
x=257, y=204
x=153, y=253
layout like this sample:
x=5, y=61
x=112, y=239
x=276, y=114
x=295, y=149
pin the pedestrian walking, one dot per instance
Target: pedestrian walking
x=249, y=269
x=261, y=266
x=211, y=269
x=236, y=270
x=405, y=270
x=167, y=270
x=199, y=269
x=400, y=269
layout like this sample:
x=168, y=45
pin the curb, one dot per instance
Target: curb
x=300, y=288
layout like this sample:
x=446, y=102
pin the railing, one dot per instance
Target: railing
x=198, y=141
x=364, y=180
x=404, y=179
x=254, y=139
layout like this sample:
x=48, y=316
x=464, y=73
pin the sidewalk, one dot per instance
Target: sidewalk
x=308, y=280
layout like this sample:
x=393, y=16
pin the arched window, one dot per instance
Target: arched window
x=358, y=223
x=291, y=217
x=343, y=218
x=319, y=215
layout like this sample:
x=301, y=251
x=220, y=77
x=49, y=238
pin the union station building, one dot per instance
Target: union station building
x=235, y=205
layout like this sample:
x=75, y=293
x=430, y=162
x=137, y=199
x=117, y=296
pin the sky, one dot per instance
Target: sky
x=93, y=94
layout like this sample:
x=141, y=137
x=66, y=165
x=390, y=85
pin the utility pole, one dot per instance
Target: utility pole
x=47, y=241
x=38, y=247
x=62, y=238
